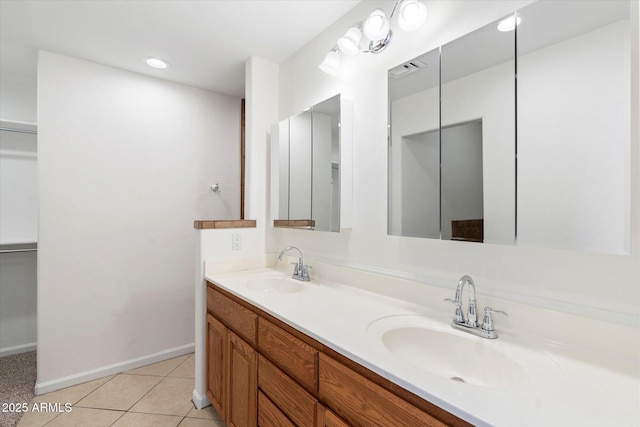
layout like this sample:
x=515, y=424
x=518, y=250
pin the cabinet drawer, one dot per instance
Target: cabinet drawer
x=326, y=418
x=292, y=399
x=364, y=403
x=269, y=415
x=293, y=356
x=237, y=318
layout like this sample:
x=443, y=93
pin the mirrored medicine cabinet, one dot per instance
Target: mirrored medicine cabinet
x=311, y=168
x=476, y=154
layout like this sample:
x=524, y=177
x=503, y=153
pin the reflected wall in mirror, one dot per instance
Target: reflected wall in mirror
x=414, y=147
x=300, y=157
x=306, y=170
x=461, y=200
x=574, y=99
x=325, y=192
x=452, y=141
x=280, y=176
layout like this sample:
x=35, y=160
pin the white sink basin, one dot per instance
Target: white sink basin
x=455, y=357
x=275, y=285
x=435, y=348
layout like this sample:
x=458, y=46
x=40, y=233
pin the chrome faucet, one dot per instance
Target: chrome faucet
x=300, y=271
x=487, y=329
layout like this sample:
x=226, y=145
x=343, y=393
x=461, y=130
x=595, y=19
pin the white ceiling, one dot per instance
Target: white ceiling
x=206, y=42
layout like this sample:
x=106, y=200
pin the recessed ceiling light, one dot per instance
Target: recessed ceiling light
x=510, y=23
x=156, y=63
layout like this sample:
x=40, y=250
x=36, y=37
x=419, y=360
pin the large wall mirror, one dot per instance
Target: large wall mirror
x=466, y=164
x=452, y=141
x=308, y=151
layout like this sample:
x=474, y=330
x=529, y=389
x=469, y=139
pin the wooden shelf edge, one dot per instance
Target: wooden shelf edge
x=224, y=223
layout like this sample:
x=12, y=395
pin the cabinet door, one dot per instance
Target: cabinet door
x=216, y=372
x=242, y=383
x=290, y=397
x=326, y=418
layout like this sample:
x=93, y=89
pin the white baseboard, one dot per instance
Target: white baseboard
x=17, y=349
x=199, y=400
x=116, y=368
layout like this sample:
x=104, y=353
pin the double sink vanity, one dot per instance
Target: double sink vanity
x=354, y=348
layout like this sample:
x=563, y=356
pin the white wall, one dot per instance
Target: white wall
x=125, y=165
x=18, y=97
x=18, y=225
x=18, y=209
x=18, y=186
x=568, y=155
x=602, y=286
x=17, y=302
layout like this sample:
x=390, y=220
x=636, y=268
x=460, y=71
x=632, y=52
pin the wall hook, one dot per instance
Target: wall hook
x=215, y=187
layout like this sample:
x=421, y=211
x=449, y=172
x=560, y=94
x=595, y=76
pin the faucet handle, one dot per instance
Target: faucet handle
x=458, y=317
x=487, y=322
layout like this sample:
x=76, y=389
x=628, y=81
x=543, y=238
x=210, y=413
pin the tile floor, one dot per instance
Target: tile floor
x=157, y=395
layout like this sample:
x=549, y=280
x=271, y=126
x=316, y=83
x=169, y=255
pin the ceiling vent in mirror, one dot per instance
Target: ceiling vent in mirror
x=407, y=68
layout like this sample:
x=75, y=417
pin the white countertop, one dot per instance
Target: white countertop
x=558, y=387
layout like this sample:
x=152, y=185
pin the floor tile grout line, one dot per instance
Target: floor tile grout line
x=180, y=364
x=124, y=412
x=143, y=396
x=149, y=391
x=92, y=391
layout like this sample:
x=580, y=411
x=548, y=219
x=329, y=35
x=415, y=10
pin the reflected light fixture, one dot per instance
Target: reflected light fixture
x=331, y=63
x=510, y=23
x=156, y=63
x=349, y=44
x=412, y=15
x=374, y=33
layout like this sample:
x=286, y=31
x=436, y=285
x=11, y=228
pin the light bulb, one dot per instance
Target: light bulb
x=156, y=63
x=412, y=15
x=349, y=44
x=331, y=63
x=510, y=23
x=376, y=27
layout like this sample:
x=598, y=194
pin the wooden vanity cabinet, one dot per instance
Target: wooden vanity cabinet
x=263, y=372
x=232, y=363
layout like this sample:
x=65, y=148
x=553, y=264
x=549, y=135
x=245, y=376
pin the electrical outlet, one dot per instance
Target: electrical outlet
x=235, y=242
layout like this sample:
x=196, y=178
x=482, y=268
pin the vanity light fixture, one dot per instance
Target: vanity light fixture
x=156, y=63
x=510, y=23
x=331, y=62
x=374, y=32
